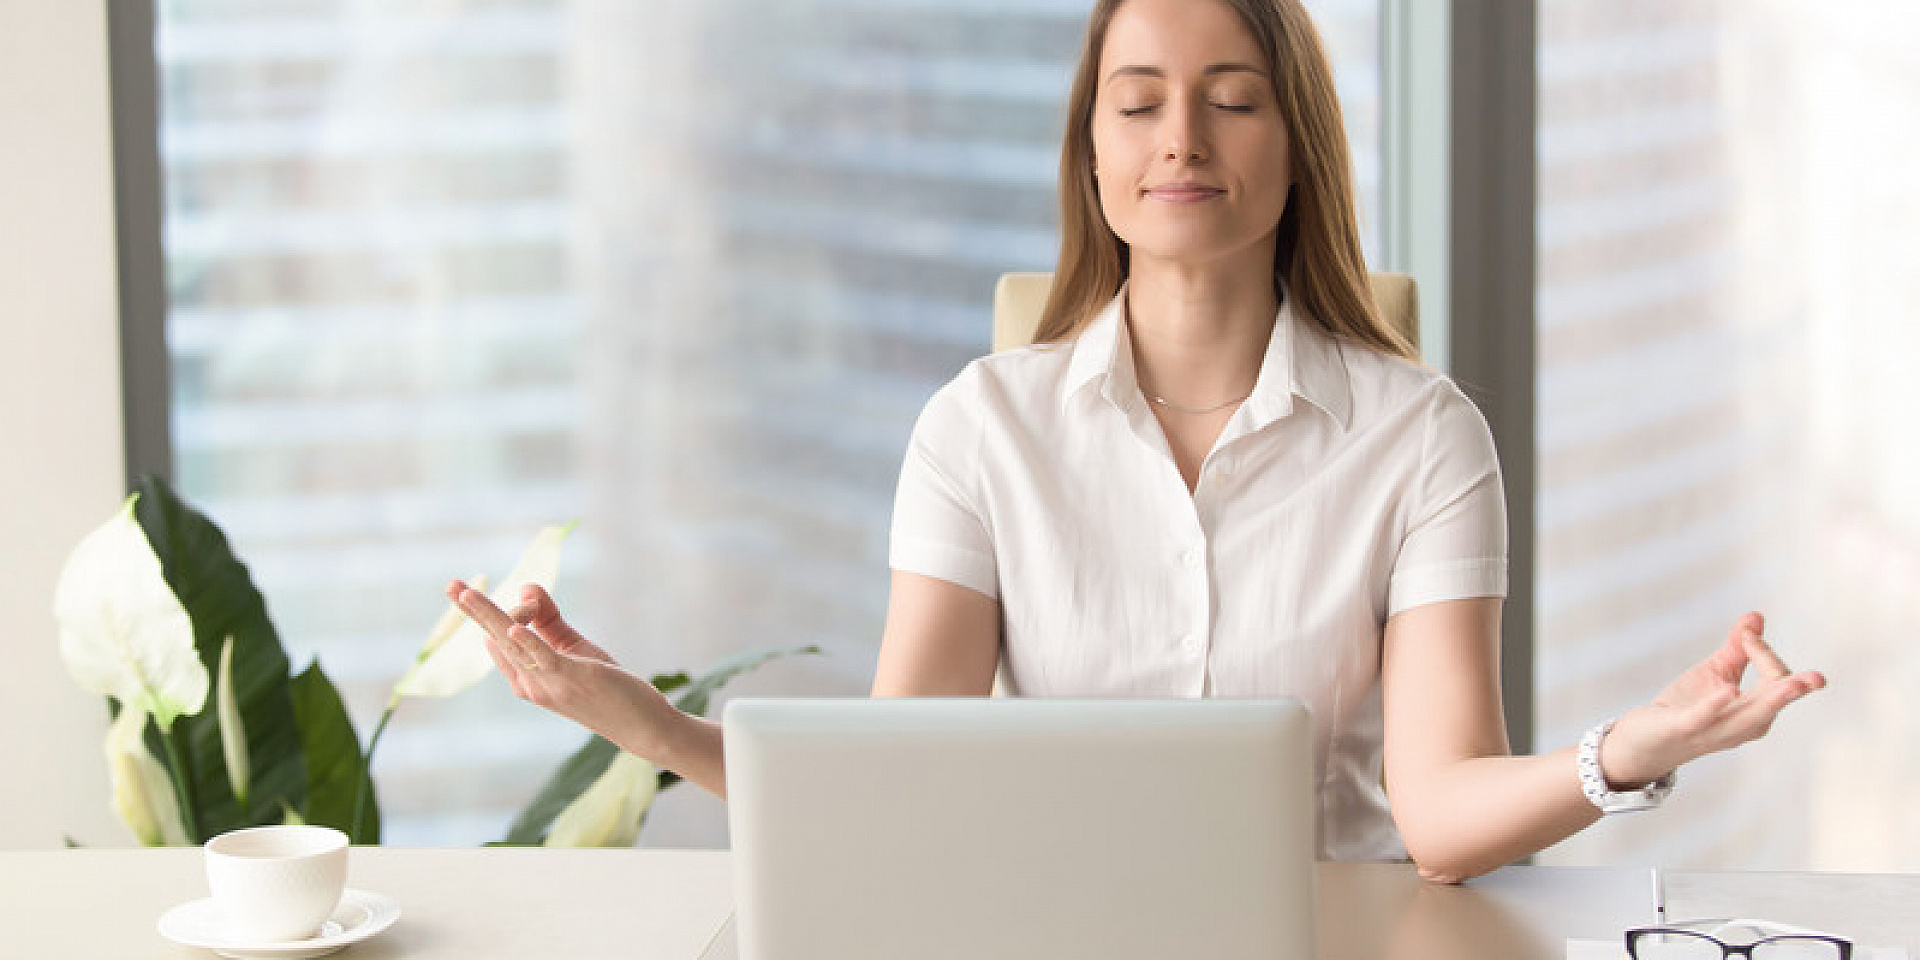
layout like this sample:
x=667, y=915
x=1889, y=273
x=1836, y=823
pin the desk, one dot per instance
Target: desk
x=664, y=905
x=456, y=904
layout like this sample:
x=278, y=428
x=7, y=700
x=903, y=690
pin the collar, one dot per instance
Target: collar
x=1099, y=351
x=1301, y=360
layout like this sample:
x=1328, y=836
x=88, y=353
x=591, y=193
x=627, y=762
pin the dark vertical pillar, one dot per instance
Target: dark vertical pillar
x=138, y=204
x=1492, y=254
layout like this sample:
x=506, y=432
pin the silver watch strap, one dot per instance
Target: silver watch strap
x=1593, y=782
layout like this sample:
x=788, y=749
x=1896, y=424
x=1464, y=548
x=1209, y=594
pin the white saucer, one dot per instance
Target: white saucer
x=360, y=915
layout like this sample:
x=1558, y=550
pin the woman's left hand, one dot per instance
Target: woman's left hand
x=1705, y=710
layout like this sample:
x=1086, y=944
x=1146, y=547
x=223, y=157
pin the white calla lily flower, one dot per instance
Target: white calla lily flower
x=123, y=633
x=455, y=654
x=450, y=621
x=608, y=813
x=143, y=795
x=412, y=684
x=233, y=732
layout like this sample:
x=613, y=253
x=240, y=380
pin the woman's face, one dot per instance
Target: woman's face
x=1190, y=149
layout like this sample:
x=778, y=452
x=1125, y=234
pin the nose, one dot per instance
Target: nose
x=1184, y=140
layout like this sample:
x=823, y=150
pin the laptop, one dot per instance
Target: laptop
x=1011, y=829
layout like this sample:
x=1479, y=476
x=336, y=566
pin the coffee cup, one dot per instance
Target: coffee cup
x=276, y=884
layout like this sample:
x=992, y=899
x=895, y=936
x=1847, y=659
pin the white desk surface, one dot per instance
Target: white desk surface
x=506, y=903
x=458, y=904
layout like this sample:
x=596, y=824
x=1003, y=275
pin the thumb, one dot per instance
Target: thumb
x=543, y=616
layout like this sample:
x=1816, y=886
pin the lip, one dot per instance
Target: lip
x=1185, y=192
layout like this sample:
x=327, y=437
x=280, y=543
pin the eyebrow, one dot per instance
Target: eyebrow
x=1211, y=71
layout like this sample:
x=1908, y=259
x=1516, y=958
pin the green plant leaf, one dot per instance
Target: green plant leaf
x=608, y=813
x=123, y=630
x=699, y=695
x=573, y=778
x=219, y=596
x=333, y=758
x=452, y=663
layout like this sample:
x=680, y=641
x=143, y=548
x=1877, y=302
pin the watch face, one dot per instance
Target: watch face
x=1627, y=802
x=1645, y=798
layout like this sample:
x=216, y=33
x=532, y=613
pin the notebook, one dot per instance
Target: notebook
x=928, y=829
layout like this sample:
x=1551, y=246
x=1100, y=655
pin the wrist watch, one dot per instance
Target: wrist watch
x=1593, y=782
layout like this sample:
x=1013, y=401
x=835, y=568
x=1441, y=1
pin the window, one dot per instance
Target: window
x=443, y=271
x=1722, y=405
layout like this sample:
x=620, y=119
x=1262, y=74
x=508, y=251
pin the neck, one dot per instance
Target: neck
x=1199, y=335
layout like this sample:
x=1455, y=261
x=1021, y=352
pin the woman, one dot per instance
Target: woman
x=1220, y=474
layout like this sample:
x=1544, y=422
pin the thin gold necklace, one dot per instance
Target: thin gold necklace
x=1194, y=411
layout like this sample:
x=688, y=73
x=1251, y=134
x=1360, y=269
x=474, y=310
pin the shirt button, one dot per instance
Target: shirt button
x=1191, y=558
x=1222, y=466
x=1191, y=641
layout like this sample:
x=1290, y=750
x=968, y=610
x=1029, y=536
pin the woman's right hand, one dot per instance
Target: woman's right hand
x=548, y=662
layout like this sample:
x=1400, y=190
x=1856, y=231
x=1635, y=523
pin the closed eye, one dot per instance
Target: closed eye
x=1138, y=111
x=1235, y=107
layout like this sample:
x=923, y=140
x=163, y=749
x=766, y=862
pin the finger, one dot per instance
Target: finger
x=1729, y=662
x=533, y=652
x=483, y=611
x=521, y=612
x=502, y=661
x=1754, y=713
x=1764, y=659
x=541, y=609
x=1754, y=718
x=544, y=617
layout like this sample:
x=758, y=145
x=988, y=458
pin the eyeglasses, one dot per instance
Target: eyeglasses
x=1754, y=940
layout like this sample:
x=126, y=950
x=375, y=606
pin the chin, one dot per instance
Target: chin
x=1187, y=251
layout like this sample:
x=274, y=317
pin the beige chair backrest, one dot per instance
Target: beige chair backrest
x=1019, y=297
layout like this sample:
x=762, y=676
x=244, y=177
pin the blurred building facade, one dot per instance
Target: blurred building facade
x=1719, y=420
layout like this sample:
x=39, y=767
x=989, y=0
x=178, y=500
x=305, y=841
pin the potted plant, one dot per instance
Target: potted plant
x=212, y=730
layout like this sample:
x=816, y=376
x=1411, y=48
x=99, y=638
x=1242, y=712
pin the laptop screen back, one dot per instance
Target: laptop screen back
x=923, y=829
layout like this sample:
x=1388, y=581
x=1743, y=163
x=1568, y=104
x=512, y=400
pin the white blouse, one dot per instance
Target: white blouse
x=1040, y=477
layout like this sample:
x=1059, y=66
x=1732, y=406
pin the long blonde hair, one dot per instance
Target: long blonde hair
x=1317, y=261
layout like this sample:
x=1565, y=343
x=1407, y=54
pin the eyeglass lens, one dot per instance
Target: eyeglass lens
x=1796, y=948
x=1675, y=945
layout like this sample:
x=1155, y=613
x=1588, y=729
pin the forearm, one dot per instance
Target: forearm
x=1465, y=817
x=1465, y=807
x=690, y=746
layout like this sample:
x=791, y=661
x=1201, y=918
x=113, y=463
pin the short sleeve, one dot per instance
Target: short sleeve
x=939, y=528
x=1455, y=546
